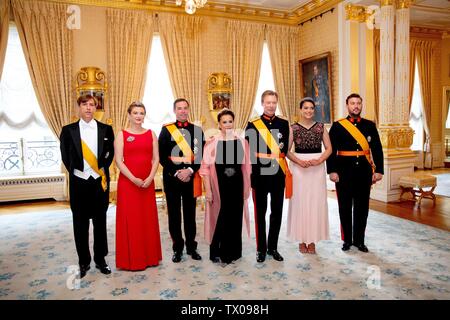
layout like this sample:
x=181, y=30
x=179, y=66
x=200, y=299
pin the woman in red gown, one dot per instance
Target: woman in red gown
x=138, y=242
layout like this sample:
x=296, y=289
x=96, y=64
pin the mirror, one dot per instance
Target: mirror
x=446, y=123
x=219, y=93
x=92, y=80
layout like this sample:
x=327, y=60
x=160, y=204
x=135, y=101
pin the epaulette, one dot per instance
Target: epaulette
x=255, y=118
x=165, y=125
x=283, y=117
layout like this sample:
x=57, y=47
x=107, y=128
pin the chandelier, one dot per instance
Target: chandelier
x=191, y=5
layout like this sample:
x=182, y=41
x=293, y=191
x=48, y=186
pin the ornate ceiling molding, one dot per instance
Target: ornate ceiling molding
x=356, y=13
x=387, y=2
x=314, y=8
x=218, y=9
x=404, y=4
x=426, y=32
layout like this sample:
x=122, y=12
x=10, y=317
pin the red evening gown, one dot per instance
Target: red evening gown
x=138, y=242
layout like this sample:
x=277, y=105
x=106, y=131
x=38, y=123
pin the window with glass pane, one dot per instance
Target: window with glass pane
x=158, y=97
x=416, y=117
x=27, y=145
x=447, y=123
x=265, y=82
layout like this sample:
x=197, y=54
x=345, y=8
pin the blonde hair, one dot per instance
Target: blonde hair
x=136, y=104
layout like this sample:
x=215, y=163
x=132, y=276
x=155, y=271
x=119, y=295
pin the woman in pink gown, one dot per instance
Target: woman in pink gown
x=308, y=207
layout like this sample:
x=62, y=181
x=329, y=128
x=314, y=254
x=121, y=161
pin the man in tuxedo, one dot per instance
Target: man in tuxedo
x=87, y=150
x=180, y=153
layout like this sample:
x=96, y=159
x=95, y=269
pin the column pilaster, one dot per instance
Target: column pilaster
x=395, y=133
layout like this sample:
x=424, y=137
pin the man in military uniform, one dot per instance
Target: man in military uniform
x=354, y=165
x=270, y=138
x=180, y=152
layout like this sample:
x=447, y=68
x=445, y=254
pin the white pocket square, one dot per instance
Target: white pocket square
x=105, y=138
x=107, y=155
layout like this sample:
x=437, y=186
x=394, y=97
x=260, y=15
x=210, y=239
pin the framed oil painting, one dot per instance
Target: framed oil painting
x=219, y=93
x=315, y=80
x=220, y=100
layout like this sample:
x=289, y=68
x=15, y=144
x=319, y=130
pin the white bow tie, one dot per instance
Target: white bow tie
x=90, y=125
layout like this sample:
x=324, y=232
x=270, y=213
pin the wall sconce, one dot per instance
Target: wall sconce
x=92, y=80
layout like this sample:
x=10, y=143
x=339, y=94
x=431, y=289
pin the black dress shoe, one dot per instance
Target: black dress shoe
x=194, y=255
x=260, y=256
x=83, y=270
x=275, y=254
x=346, y=246
x=104, y=268
x=362, y=247
x=176, y=257
x=215, y=259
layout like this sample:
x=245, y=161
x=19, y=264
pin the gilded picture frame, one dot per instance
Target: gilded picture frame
x=219, y=93
x=315, y=81
x=92, y=80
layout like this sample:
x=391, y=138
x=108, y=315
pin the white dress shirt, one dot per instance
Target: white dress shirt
x=88, y=133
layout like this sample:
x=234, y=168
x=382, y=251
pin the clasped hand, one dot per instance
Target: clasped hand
x=142, y=183
x=184, y=175
x=308, y=163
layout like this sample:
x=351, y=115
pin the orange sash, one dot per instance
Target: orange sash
x=360, y=138
x=276, y=154
x=188, y=156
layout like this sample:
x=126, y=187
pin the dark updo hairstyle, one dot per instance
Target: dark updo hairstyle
x=225, y=112
x=307, y=99
x=136, y=104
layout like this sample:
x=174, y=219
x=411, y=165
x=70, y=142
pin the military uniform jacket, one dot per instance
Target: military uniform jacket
x=169, y=148
x=279, y=129
x=342, y=140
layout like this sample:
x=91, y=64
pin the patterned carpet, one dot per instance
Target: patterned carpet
x=406, y=261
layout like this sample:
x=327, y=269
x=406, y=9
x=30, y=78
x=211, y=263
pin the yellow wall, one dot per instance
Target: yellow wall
x=445, y=61
x=436, y=96
x=215, y=58
x=316, y=37
x=320, y=36
x=445, y=78
x=89, y=42
x=90, y=48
